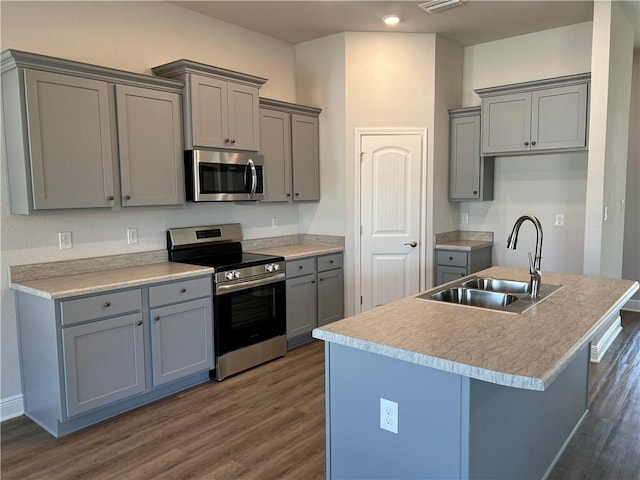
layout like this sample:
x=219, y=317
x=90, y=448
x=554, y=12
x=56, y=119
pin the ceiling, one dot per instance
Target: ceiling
x=476, y=21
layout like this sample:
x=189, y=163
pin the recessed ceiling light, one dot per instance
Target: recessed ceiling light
x=391, y=20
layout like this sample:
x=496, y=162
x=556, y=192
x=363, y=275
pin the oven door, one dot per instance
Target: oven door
x=246, y=316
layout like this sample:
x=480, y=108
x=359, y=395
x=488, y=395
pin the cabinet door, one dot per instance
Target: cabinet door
x=103, y=362
x=301, y=305
x=209, y=119
x=559, y=118
x=449, y=274
x=70, y=141
x=275, y=146
x=244, y=117
x=330, y=296
x=506, y=123
x=150, y=146
x=465, y=158
x=305, y=157
x=181, y=340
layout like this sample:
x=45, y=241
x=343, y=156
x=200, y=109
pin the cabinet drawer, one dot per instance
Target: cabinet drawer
x=455, y=259
x=329, y=262
x=179, y=291
x=305, y=266
x=98, y=306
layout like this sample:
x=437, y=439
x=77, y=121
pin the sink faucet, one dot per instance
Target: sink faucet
x=534, y=263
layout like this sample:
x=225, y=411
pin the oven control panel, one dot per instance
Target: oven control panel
x=247, y=273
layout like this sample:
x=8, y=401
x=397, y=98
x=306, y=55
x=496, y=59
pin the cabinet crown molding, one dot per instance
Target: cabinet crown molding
x=535, y=85
x=12, y=59
x=289, y=107
x=179, y=68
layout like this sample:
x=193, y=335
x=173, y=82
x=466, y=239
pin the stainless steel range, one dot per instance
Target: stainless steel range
x=249, y=323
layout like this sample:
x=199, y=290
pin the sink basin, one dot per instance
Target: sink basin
x=491, y=293
x=477, y=298
x=497, y=285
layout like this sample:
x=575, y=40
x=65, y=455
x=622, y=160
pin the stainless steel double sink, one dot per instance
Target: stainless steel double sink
x=491, y=293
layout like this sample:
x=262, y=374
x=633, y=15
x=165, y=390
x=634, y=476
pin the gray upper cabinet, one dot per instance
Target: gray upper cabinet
x=69, y=132
x=221, y=108
x=290, y=146
x=470, y=175
x=150, y=146
x=63, y=139
x=546, y=115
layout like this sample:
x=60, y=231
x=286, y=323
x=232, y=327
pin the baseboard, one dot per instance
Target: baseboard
x=598, y=350
x=11, y=407
x=632, y=306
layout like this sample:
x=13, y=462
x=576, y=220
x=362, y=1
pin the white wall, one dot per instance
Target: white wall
x=611, y=67
x=134, y=37
x=631, y=255
x=535, y=184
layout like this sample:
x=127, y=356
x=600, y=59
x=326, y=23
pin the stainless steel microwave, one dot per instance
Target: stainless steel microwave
x=222, y=176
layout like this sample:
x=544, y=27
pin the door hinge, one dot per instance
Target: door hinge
x=360, y=299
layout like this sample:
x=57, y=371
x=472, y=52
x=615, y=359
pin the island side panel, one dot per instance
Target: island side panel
x=516, y=433
x=428, y=443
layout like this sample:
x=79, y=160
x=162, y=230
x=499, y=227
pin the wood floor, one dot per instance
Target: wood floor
x=268, y=423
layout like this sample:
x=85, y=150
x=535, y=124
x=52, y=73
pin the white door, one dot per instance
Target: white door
x=390, y=188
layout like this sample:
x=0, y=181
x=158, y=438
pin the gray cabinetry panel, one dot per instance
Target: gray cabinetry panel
x=69, y=131
x=470, y=174
x=244, y=117
x=181, y=340
x=100, y=306
x=451, y=258
x=275, y=146
x=181, y=291
x=506, y=123
x=304, y=266
x=301, y=305
x=103, y=362
x=453, y=264
x=449, y=274
x=305, y=153
x=330, y=296
x=150, y=146
x=329, y=262
x=208, y=112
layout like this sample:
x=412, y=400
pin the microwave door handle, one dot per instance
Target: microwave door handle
x=254, y=178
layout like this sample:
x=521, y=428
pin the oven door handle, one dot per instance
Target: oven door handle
x=254, y=178
x=235, y=287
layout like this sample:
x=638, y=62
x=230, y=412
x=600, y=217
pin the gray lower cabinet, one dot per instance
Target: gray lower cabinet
x=546, y=115
x=315, y=295
x=454, y=264
x=62, y=116
x=88, y=358
x=470, y=174
x=290, y=146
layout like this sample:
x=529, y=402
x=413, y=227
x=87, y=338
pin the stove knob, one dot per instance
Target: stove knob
x=276, y=267
x=228, y=275
x=236, y=274
x=269, y=267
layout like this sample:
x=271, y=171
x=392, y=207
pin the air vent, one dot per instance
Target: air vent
x=434, y=6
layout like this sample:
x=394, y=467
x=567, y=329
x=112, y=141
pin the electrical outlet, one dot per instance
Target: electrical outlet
x=132, y=236
x=464, y=218
x=64, y=240
x=388, y=415
x=559, y=219
x=275, y=222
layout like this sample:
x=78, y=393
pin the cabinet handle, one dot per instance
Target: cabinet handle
x=451, y=258
x=183, y=290
x=313, y=281
x=107, y=304
x=233, y=140
x=127, y=197
x=331, y=262
x=300, y=267
x=321, y=279
x=156, y=318
x=139, y=323
x=475, y=192
x=297, y=194
x=526, y=144
x=226, y=140
x=462, y=274
x=110, y=197
x=288, y=194
x=533, y=143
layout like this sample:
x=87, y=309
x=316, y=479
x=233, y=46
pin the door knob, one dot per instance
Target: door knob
x=413, y=244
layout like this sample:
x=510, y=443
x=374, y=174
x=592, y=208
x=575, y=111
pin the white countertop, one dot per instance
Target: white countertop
x=107, y=280
x=292, y=252
x=525, y=350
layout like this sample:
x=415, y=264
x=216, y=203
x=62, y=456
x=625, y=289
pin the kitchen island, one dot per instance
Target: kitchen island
x=480, y=393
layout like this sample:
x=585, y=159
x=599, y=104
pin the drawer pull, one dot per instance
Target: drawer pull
x=156, y=318
x=300, y=267
x=139, y=323
x=321, y=279
x=313, y=281
x=331, y=262
x=451, y=258
x=107, y=304
x=183, y=290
